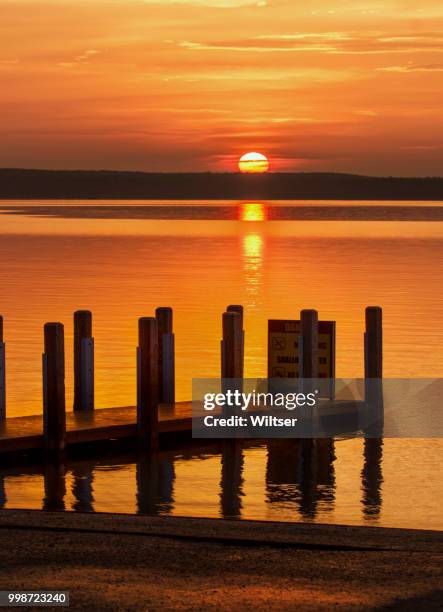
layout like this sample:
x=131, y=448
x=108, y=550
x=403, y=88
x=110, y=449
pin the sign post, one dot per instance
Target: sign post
x=284, y=338
x=2, y=374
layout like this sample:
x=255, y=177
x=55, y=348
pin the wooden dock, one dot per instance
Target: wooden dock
x=26, y=433
x=23, y=434
x=157, y=414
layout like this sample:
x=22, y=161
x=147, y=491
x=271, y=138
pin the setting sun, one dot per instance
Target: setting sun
x=253, y=163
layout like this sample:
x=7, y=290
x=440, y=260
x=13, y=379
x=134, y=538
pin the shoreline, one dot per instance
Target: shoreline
x=151, y=562
x=293, y=533
x=35, y=183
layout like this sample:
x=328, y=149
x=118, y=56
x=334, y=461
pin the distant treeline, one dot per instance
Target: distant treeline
x=101, y=184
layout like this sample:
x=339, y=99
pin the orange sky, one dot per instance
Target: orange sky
x=350, y=85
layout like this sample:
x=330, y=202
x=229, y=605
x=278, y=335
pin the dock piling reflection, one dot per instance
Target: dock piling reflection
x=3, y=498
x=155, y=476
x=372, y=478
x=55, y=486
x=232, y=462
x=301, y=472
x=82, y=488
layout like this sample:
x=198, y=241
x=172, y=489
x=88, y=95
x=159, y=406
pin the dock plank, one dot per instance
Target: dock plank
x=23, y=433
x=26, y=433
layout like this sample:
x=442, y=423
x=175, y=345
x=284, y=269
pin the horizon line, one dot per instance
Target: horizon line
x=227, y=173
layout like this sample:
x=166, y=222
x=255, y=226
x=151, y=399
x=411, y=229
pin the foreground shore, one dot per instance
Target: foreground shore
x=165, y=563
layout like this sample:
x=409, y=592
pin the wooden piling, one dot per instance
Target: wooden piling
x=2, y=373
x=54, y=416
x=166, y=356
x=236, y=308
x=231, y=346
x=308, y=345
x=83, y=361
x=147, y=384
x=374, y=342
x=239, y=308
x=373, y=414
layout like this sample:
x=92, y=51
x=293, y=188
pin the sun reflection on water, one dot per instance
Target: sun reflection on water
x=253, y=249
x=253, y=211
x=252, y=266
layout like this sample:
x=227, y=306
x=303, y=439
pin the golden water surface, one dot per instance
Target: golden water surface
x=122, y=268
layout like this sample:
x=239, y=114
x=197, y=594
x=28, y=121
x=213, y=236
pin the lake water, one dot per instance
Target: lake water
x=396, y=484
x=123, y=259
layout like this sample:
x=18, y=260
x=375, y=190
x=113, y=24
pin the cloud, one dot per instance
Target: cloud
x=412, y=68
x=83, y=58
x=366, y=113
x=86, y=55
x=262, y=75
x=423, y=147
x=196, y=46
x=9, y=64
x=207, y=3
x=330, y=36
x=331, y=43
x=284, y=120
x=211, y=3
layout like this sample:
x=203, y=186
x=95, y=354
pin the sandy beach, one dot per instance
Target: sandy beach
x=151, y=563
